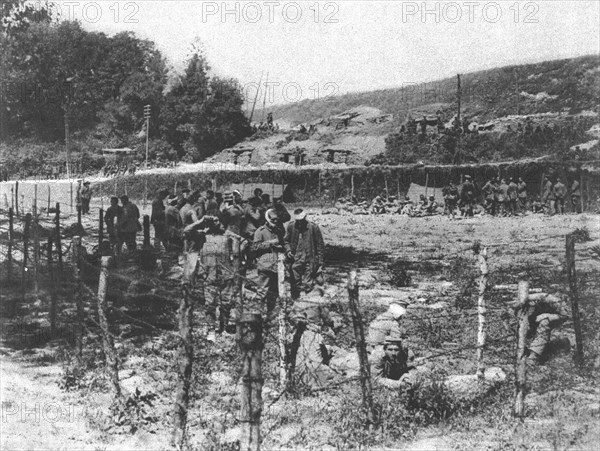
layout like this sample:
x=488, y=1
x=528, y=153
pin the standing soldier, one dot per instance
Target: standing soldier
x=212, y=206
x=306, y=244
x=489, y=192
x=86, y=196
x=522, y=193
x=467, y=195
x=113, y=213
x=560, y=192
x=503, y=199
x=129, y=224
x=173, y=226
x=268, y=241
x=548, y=196
x=512, y=196
x=451, y=198
x=157, y=217
x=576, y=197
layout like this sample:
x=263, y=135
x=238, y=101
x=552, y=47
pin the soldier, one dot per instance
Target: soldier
x=268, y=241
x=113, y=213
x=386, y=324
x=576, y=197
x=306, y=244
x=512, y=197
x=393, y=367
x=450, y=193
x=489, y=197
x=86, y=196
x=377, y=206
x=129, y=224
x=503, y=198
x=431, y=207
x=173, y=226
x=560, y=192
x=548, y=196
x=232, y=214
x=546, y=312
x=252, y=218
x=282, y=212
x=522, y=193
x=211, y=204
x=157, y=217
x=467, y=196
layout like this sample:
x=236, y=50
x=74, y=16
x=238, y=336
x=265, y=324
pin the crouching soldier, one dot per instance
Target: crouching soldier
x=394, y=367
x=546, y=312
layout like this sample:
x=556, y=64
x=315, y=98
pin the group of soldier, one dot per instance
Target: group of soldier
x=498, y=197
x=205, y=225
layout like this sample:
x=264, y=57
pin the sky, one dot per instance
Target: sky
x=313, y=49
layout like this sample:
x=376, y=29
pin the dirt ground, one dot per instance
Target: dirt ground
x=562, y=405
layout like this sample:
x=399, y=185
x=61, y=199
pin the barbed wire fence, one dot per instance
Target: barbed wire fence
x=34, y=256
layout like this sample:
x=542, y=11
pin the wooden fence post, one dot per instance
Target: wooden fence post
x=71, y=191
x=582, y=192
x=26, y=232
x=574, y=296
x=36, y=241
x=100, y=230
x=359, y=335
x=481, y=310
x=427, y=183
x=282, y=322
x=186, y=351
x=12, y=198
x=11, y=229
x=521, y=363
x=250, y=339
x=52, y=289
x=48, y=207
x=75, y=255
x=17, y=197
x=112, y=361
x=58, y=238
x=351, y=187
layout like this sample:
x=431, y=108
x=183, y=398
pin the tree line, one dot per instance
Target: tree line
x=59, y=80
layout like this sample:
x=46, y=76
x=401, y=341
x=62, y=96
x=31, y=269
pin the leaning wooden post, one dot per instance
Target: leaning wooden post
x=250, y=339
x=574, y=296
x=112, y=361
x=58, y=238
x=186, y=351
x=481, y=309
x=53, y=299
x=282, y=320
x=9, y=260
x=522, y=311
x=359, y=336
x=75, y=255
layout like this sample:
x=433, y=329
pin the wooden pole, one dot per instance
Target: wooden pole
x=112, y=360
x=320, y=198
x=36, y=242
x=58, y=238
x=100, y=230
x=12, y=198
x=521, y=363
x=427, y=183
x=387, y=193
x=250, y=339
x=186, y=349
x=48, y=208
x=574, y=296
x=582, y=192
x=71, y=191
x=190, y=185
x=9, y=259
x=6, y=205
x=22, y=203
x=359, y=336
x=351, y=187
x=75, y=255
x=145, y=189
x=17, y=197
x=282, y=320
x=481, y=311
x=53, y=299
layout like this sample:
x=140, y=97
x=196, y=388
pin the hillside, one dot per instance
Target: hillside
x=563, y=85
x=516, y=112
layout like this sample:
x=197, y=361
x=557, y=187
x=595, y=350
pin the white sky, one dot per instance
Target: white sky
x=351, y=45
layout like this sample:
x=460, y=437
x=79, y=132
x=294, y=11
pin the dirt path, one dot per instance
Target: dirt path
x=37, y=414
